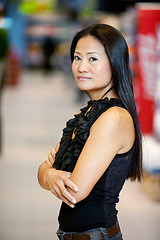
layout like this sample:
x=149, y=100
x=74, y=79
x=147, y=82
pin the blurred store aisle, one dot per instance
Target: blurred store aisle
x=34, y=113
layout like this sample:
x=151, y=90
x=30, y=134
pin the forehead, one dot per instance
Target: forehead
x=89, y=44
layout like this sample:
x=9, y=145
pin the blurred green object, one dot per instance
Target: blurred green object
x=89, y=9
x=3, y=43
x=35, y=6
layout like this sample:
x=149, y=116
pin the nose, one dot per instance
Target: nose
x=83, y=66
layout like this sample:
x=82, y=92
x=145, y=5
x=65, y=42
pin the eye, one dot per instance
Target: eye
x=77, y=58
x=93, y=59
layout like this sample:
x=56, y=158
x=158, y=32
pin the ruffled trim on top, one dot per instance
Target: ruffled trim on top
x=70, y=149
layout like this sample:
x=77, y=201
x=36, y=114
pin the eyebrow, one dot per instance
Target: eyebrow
x=87, y=53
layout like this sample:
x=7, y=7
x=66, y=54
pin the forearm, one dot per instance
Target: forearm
x=46, y=167
x=56, y=181
x=43, y=173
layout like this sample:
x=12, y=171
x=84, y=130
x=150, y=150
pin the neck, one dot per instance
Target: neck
x=110, y=93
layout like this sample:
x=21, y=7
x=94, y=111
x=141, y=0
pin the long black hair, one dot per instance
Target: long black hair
x=117, y=51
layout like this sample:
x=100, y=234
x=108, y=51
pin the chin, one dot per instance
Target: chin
x=83, y=88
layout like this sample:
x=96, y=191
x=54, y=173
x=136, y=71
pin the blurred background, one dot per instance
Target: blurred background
x=38, y=95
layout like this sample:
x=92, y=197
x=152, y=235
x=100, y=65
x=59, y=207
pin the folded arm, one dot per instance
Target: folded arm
x=112, y=133
x=56, y=181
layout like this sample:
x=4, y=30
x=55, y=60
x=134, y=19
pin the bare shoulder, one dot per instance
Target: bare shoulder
x=117, y=123
x=115, y=117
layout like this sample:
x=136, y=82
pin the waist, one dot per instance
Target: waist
x=98, y=234
x=86, y=215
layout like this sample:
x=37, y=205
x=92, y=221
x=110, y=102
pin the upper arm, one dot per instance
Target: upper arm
x=104, y=142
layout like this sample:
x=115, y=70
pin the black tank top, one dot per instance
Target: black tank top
x=99, y=208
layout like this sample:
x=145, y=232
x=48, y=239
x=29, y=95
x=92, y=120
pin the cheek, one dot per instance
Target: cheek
x=102, y=69
x=73, y=68
x=105, y=69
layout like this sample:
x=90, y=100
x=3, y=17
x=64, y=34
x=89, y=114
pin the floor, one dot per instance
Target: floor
x=34, y=113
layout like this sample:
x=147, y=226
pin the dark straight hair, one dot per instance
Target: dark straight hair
x=117, y=51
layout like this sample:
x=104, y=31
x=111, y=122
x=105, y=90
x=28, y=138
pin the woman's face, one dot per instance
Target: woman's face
x=91, y=67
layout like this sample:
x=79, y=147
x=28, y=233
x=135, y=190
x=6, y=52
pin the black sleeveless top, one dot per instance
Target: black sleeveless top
x=99, y=208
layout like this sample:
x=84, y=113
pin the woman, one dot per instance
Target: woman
x=101, y=146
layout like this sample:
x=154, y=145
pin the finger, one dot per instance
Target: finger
x=56, y=192
x=68, y=174
x=67, y=202
x=52, y=152
x=48, y=162
x=68, y=196
x=71, y=185
x=64, y=193
x=50, y=158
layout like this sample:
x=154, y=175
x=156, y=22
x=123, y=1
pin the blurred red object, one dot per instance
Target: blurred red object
x=148, y=18
x=13, y=68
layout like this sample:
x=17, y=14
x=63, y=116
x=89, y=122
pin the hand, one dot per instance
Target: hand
x=51, y=157
x=58, y=181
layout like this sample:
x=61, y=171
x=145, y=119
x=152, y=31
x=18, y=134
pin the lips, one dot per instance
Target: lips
x=83, y=78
